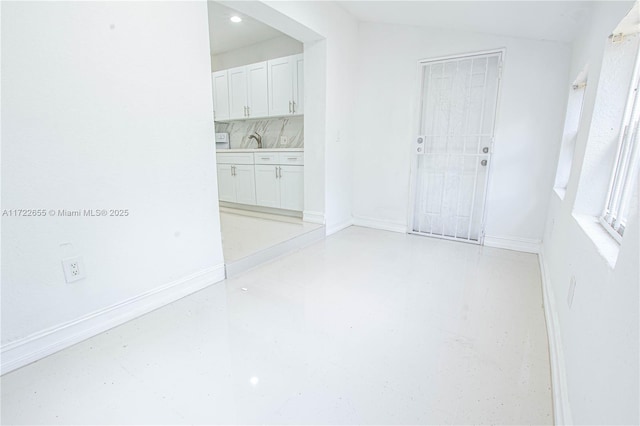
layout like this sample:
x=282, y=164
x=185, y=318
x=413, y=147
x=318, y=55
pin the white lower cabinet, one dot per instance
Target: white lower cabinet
x=265, y=178
x=291, y=187
x=236, y=183
x=280, y=186
x=226, y=183
x=245, y=184
x=267, y=186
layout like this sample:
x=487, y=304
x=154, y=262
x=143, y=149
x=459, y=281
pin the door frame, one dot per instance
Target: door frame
x=413, y=158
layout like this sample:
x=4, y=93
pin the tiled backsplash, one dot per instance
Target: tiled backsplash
x=271, y=130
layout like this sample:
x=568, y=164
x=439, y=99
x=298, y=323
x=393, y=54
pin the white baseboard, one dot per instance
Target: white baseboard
x=561, y=407
x=262, y=215
x=332, y=229
x=296, y=243
x=248, y=209
x=24, y=351
x=517, y=244
x=380, y=224
x=313, y=217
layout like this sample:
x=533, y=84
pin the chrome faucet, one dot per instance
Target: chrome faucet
x=258, y=139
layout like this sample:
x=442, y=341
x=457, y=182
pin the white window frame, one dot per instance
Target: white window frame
x=621, y=186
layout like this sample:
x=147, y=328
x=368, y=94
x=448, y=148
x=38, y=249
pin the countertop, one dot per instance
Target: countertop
x=261, y=150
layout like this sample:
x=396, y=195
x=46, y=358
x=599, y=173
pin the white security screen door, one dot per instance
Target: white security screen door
x=453, y=147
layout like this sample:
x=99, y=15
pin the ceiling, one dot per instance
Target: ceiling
x=225, y=35
x=539, y=20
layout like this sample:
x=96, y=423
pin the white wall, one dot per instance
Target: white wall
x=529, y=125
x=599, y=334
x=269, y=49
x=330, y=41
x=339, y=30
x=104, y=108
x=315, y=112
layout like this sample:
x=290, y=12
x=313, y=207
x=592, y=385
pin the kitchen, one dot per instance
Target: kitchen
x=258, y=95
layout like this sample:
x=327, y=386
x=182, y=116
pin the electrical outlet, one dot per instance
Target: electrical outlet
x=284, y=141
x=572, y=290
x=73, y=269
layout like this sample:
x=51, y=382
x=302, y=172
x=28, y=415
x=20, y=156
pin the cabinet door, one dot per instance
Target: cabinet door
x=258, y=94
x=267, y=186
x=280, y=86
x=220, y=85
x=245, y=184
x=226, y=187
x=237, y=92
x=298, y=83
x=292, y=187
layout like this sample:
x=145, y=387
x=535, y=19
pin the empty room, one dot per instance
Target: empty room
x=320, y=212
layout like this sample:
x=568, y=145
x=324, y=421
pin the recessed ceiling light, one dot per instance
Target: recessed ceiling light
x=235, y=19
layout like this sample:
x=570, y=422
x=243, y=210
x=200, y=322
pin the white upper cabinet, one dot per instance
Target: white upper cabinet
x=237, y=92
x=258, y=93
x=265, y=89
x=298, y=84
x=286, y=85
x=220, y=86
x=280, y=86
x=248, y=94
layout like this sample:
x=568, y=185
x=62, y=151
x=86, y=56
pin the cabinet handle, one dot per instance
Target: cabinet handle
x=280, y=171
x=265, y=158
x=292, y=158
x=248, y=111
x=276, y=173
x=290, y=110
x=294, y=107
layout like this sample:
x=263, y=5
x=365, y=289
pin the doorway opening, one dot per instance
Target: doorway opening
x=263, y=170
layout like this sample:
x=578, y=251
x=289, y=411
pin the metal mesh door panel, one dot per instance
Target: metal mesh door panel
x=458, y=106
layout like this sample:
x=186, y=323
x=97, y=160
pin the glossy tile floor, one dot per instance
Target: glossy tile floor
x=365, y=327
x=244, y=234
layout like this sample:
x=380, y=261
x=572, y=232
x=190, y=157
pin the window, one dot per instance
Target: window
x=623, y=178
x=571, y=126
